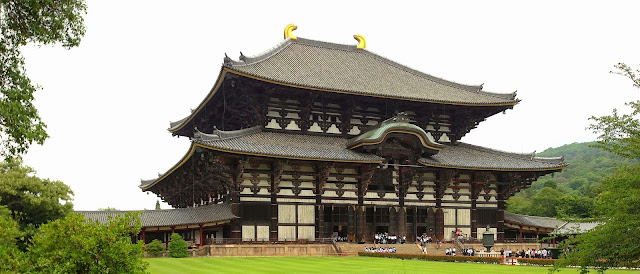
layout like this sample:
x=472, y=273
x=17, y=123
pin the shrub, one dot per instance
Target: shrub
x=74, y=245
x=178, y=246
x=489, y=260
x=155, y=248
x=542, y=262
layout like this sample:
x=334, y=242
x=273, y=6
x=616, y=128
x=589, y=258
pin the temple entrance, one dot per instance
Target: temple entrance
x=339, y=233
x=382, y=229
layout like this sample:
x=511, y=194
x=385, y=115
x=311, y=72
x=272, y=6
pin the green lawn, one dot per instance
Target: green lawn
x=333, y=265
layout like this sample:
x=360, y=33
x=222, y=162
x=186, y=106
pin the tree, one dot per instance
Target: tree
x=31, y=200
x=157, y=205
x=178, y=246
x=620, y=133
x=10, y=256
x=155, y=248
x=21, y=22
x=75, y=245
x=616, y=241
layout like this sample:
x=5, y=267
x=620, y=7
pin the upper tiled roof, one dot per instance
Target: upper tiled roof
x=343, y=68
x=466, y=156
x=282, y=145
x=534, y=221
x=170, y=217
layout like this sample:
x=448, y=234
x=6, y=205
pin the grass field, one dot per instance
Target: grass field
x=334, y=265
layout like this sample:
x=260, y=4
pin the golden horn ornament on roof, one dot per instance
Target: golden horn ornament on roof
x=288, y=31
x=362, y=43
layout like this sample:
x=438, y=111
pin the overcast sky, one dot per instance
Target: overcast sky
x=141, y=64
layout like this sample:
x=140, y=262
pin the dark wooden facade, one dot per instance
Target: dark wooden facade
x=397, y=182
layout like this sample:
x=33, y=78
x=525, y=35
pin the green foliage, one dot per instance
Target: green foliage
x=439, y=258
x=178, y=246
x=578, y=184
x=620, y=133
x=74, y=245
x=32, y=201
x=10, y=255
x=23, y=22
x=616, y=242
x=538, y=262
x=155, y=248
x=157, y=205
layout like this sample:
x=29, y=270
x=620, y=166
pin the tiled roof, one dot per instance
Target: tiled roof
x=343, y=68
x=534, y=221
x=571, y=228
x=466, y=156
x=284, y=145
x=170, y=217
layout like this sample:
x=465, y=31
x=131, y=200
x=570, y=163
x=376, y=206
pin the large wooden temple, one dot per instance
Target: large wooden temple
x=313, y=139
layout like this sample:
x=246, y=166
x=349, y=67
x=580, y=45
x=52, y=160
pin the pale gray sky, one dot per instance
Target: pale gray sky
x=108, y=103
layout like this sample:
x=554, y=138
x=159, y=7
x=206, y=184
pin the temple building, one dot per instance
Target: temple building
x=313, y=139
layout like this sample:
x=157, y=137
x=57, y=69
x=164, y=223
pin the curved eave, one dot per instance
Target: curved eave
x=510, y=104
x=194, y=146
x=426, y=143
x=553, y=169
x=184, y=121
x=184, y=159
x=181, y=123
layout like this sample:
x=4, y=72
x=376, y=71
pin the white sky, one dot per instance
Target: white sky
x=108, y=103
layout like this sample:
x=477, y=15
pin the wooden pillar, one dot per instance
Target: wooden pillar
x=276, y=174
x=201, y=235
x=322, y=174
x=500, y=217
x=236, y=224
x=475, y=191
x=520, y=228
x=351, y=222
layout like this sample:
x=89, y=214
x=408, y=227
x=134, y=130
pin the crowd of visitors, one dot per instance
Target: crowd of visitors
x=380, y=249
x=529, y=253
x=339, y=239
x=385, y=238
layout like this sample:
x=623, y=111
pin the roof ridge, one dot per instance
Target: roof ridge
x=246, y=60
x=395, y=64
x=252, y=59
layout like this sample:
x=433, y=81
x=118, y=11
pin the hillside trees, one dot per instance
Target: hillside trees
x=41, y=22
x=616, y=241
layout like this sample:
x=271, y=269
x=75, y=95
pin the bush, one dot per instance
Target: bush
x=489, y=260
x=155, y=248
x=178, y=246
x=74, y=245
x=542, y=262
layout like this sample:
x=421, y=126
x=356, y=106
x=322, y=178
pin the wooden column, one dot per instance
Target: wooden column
x=501, y=207
x=201, y=238
x=236, y=225
x=322, y=174
x=276, y=175
x=366, y=174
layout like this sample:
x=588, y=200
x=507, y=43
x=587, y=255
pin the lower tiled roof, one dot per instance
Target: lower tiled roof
x=466, y=156
x=533, y=221
x=170, y=217
x=284, y=145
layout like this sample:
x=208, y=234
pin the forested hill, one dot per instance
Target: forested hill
x=569, y=193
